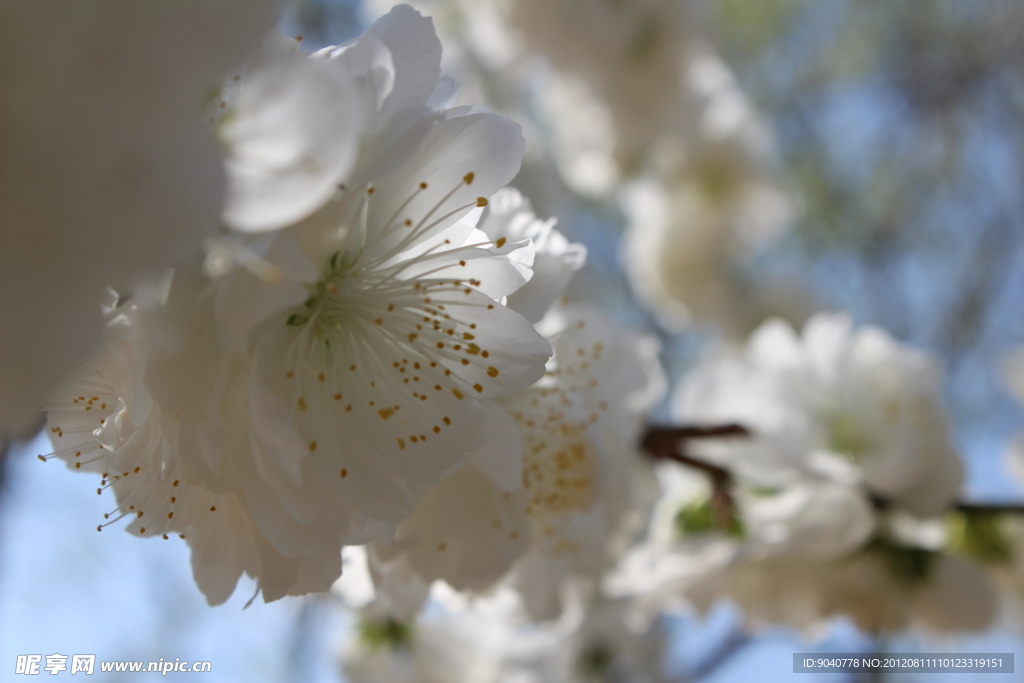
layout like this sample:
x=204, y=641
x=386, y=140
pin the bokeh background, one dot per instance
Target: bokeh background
x=897, y=128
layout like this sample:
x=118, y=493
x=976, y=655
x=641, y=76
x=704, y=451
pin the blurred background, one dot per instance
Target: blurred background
x=884, y=143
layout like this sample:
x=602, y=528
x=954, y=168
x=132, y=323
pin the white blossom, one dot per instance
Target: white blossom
x=577, y=493
x=450, y=648
x=846, y=467
x=880, y=590
x=851, y=406
x=328, y=374
x=552, y=482
x=711, y=203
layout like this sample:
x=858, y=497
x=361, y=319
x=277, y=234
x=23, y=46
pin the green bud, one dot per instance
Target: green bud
x=699, y=518
x=388, y=633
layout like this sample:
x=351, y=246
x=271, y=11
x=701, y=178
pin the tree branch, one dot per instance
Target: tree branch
x=668, y=442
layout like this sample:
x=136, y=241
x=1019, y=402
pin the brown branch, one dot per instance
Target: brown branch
x=992, y=508
x=668, y=442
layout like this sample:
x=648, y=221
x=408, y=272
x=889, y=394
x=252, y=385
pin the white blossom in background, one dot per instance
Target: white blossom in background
x=712, y=202
x=608, y=87
x=491, y=641
x=870, y=590
x=678, y=566
x=109, y=169
x=450, y=648
x=832, y=403
x=327, y=374
x=582, y=134
x=818, y=555
x=836, y=496
x=902, y=578
x=590, y=642
x=629, y=55
x=998, y=540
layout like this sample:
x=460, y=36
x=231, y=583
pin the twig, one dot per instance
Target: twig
x=668, y=442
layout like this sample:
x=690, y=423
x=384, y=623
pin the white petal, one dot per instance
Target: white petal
x=416, y=54
x=401, y=591
x=266, y=282
x=465, y=531
x=504, y=353
x=495, y=271
x=221, y=552
x=509, y=216
x=460, y=161
x=292, y=135
x=498, y=450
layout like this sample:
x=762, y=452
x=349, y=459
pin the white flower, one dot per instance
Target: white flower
x=883, y=589
x=382, y=369
x=711, y=204
x=472, y=527
x=108, y=171
x=590, y=642
x=680, y=564
x=812, y=520
x=450, y=648
x=588, y=489
x=841, y=422
x=833, y=404
x=630, y=55
x=583, y=136
x=105, y=421
x=571, y=486
x=330, y=373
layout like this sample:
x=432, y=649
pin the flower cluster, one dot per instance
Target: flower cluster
x=345, y=355
x=332, y=356
x=837, y=494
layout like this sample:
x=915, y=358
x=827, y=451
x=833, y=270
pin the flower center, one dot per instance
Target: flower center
x=847, y=436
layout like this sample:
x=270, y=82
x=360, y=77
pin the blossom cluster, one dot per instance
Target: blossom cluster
x=339, y=352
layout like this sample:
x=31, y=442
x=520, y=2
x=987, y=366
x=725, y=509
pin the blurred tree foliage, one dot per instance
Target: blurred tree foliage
x=899, y=125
